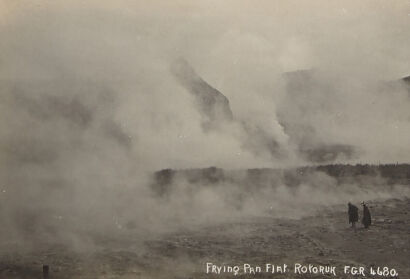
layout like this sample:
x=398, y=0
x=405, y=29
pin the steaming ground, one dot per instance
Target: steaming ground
x=97, y=96
x=322, y=238
x=213, y=215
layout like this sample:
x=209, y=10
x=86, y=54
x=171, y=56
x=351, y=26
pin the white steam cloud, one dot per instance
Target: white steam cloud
x=89, y=106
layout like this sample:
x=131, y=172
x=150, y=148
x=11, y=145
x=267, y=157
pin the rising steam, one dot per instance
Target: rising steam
x=97, y=96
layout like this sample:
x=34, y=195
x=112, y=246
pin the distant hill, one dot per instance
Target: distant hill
x=308, y=95
x=212, y=104
x=215, y=109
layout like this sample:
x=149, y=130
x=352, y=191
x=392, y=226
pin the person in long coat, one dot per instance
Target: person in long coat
x=367, y=218
x=353, y=213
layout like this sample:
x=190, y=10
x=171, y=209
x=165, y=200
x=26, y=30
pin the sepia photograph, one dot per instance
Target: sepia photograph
x=204, y=139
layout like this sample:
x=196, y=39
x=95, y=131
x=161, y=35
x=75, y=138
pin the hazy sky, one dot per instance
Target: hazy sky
x=239, y=47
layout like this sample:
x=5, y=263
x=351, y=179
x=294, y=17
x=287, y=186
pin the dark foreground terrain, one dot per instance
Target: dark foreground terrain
x=324, y=239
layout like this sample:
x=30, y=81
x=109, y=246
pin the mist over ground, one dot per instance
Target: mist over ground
x=95, y=98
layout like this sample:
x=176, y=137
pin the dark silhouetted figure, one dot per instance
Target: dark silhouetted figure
x=46, y=270
x=367, y=218
x=353, y=214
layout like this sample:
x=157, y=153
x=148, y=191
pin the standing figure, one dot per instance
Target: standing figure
x=353, y=212
x=367, y=218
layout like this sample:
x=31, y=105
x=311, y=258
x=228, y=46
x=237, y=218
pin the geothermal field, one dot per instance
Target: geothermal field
x=204, y=139
x=225, y=224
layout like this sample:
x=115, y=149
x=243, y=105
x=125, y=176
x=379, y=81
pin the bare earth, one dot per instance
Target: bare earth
x=325, y=239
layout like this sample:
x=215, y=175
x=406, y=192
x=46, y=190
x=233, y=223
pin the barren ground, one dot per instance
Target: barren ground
x=322, y=239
